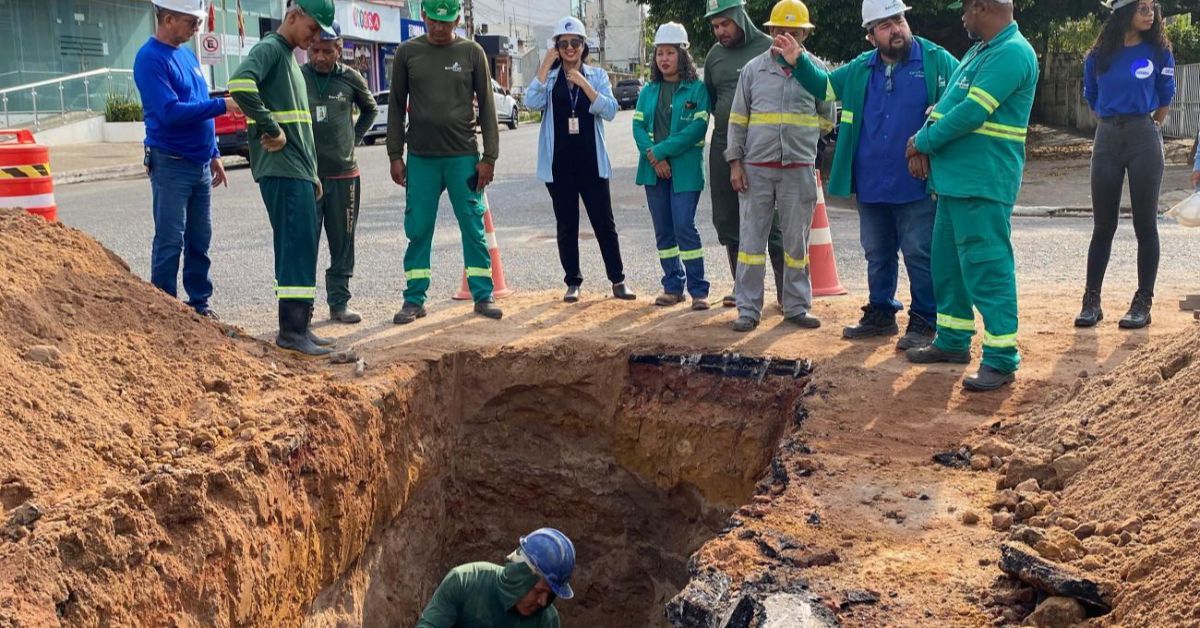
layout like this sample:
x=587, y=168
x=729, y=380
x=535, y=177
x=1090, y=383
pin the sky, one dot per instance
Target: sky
x=533, y=12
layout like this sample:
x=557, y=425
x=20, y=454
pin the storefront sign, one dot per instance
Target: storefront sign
x=369, y=22
x=412, y=28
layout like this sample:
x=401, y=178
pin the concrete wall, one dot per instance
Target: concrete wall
x=91, y=131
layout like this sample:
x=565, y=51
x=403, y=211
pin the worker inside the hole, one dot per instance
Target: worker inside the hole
x=520, y=594
x=975, y=143
x=774, y=125
x=334, y=91
x=738, y=41
x=181, y=150
x=886, y=93
x=430, y=112
x=270, y=88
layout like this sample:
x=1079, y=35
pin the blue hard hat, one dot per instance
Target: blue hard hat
x=333, y=34
x=553, y=556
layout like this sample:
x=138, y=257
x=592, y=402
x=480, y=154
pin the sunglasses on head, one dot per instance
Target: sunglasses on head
x=563, y=44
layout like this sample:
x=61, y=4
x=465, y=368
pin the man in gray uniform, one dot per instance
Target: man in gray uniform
x=774, y=125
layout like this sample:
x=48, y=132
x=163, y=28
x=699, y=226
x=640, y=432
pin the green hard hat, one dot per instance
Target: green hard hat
x=441, y=10
x=716, y=6
x=321, y=11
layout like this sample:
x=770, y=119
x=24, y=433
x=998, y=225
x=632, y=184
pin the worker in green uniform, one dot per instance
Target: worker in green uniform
x=738, y=42
x=270, y=89
x=520, y=594
x=334, y=91
x=430, y=111
x=973, y=148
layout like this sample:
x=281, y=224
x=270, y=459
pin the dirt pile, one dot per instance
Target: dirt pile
x=1104, y=486
x=141, y=443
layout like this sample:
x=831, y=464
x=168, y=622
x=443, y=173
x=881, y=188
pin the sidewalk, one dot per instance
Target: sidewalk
x=83, y=163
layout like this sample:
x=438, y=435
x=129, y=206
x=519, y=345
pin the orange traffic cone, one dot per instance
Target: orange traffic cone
x=825, y=280
x=499, y=288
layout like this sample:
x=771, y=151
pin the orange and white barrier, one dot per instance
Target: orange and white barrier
x=25, y=181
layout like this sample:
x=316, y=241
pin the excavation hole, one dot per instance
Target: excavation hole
x=639, y=459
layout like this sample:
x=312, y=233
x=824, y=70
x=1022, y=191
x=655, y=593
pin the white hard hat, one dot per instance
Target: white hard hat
x=187, y=7
x=875, y=10
x=570, y=26
x=671, y=33
x=1113, y=5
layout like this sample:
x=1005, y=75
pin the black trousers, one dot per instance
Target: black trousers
x=565, y=192
x=1126, y=146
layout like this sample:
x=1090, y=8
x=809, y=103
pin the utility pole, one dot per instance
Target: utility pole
x=602, y=25
x=469, y=18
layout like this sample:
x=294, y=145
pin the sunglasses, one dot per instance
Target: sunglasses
x=1148, y=10
x=563, y=44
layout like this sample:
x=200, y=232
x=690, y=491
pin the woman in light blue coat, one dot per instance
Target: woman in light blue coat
x=575, y=99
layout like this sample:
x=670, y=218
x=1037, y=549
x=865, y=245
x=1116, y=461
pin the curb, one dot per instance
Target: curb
x=122, y=171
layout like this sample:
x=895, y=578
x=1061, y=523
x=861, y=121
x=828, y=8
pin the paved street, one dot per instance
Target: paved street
x=1050, y=251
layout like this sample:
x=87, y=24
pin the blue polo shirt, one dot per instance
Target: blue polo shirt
x=891, y=114
x=1139, y=80
x=175, y=103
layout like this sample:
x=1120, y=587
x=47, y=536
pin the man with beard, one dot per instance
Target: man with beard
x=885, y=95
x=975, y=140
x=738, y=42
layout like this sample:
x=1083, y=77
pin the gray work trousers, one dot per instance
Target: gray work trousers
x=793, y=193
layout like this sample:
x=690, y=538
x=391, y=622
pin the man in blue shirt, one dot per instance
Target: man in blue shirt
x=181, y=150
x=885, y=94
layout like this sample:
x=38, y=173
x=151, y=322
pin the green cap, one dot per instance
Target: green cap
x=441, y=10
x=716, y=6
x=954, y=5
x=321, y=11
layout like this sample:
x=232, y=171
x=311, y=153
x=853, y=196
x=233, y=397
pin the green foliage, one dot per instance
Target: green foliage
x=1076, y=36
x=1185, y=38
x=122, y=108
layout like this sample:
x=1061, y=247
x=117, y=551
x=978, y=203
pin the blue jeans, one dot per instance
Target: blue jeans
x=182, y=225
x=884, y=229
x=679, y=248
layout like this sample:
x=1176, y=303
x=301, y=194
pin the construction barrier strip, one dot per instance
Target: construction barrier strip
x=21, y=202
x=25, y=172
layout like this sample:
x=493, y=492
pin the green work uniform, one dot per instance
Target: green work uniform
x=437, y=83
x=482, y=595
x=722, y=68
x=269, y=87
x=332, y=99
x=975, y=138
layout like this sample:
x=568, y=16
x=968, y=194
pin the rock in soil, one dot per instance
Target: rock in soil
x=970, y=517
x=25, y=515
x=1020, y=561
x=1024, y=466
x=1067, y=466
x=1057, y=612
x=992, y=447
x=43, y=354
x=1002, y=521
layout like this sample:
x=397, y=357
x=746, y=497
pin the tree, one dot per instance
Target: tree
x=839, y=35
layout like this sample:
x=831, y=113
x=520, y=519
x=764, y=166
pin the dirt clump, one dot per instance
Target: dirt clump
x=1103, y=482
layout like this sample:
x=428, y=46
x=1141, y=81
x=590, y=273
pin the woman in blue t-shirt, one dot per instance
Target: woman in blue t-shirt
x=1129, y=82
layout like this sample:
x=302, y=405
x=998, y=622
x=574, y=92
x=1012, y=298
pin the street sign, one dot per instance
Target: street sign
x=210, y=49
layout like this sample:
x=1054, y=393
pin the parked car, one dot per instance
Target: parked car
x=507, y=110
x=232, y=138
x=627, y=92
x=379, y=129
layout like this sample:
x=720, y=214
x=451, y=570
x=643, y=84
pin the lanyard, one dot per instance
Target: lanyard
x=574, y=93
x=323, y=85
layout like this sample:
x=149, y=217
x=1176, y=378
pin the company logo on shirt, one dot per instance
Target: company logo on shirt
x=964, y=83
x=454, y=68
x=1142, y=69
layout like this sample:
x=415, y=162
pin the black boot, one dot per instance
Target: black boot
x=315, y=339
x=1091, y=312
x=293, y=332
x=1138, y=315
x=920, y=333
x=874, y=322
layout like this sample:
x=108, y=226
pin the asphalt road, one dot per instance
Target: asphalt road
x=1051, y=252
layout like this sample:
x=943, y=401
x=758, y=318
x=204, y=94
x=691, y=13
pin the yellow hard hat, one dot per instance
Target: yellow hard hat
x=790, y=14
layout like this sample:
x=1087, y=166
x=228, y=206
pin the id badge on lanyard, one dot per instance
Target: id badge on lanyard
x=573, y=121
x=573, y=125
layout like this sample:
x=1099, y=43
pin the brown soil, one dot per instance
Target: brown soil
x=188, y=475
